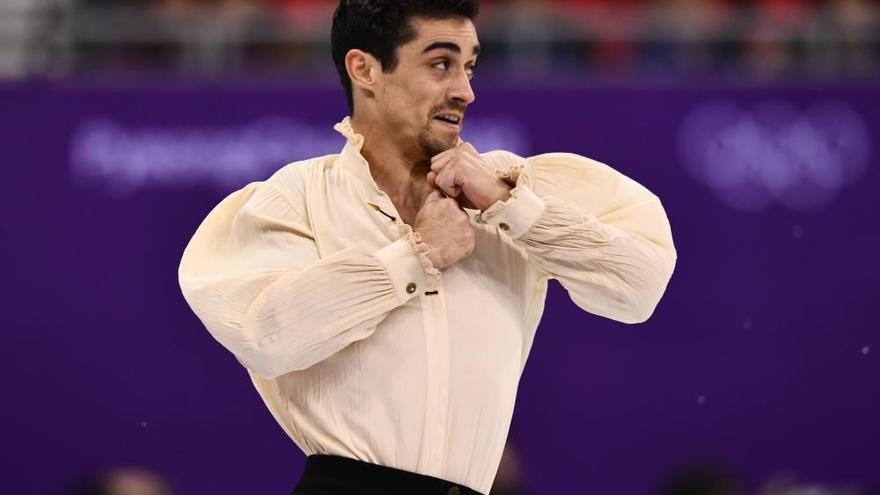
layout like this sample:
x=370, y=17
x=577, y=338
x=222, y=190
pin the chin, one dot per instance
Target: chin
x=432, y=144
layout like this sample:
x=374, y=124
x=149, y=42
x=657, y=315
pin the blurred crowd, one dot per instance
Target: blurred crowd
x=758, y=38
x=689, y=479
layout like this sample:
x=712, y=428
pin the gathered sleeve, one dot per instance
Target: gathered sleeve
x=253, y=276
x=602, y=235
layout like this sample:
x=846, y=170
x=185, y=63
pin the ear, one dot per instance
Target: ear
x=362, y=69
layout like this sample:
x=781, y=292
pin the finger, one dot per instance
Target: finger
x=445, y=154
x=452, y=191
x=441, y=163
x=448, y=190
x=468, y=147
x=445, y=180
x=435, y=195
x=455, y=203
x=431, y=178
x=442, y=154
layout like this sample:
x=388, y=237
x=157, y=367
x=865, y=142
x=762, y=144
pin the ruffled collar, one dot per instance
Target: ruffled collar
x=351, y=158
x=344, y=128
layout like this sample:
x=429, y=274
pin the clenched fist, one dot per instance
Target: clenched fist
x=446, y=229
x=462, y=173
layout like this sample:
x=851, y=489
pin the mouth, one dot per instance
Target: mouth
x=451, y=120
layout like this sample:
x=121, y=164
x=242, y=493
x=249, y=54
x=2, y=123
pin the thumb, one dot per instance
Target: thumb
x=434, y=195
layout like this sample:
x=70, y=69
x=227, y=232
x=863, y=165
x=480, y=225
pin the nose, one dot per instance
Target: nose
x=461, y=89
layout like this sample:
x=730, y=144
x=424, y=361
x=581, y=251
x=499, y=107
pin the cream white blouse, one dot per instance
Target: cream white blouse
x=361, y=348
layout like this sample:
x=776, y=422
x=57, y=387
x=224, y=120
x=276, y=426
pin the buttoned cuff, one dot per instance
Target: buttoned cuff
x=517, y=214
x=404, y=267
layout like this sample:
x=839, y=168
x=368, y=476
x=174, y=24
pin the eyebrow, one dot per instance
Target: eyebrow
x=448, y=45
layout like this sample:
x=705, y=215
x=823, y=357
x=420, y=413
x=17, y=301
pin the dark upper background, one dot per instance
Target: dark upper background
x=755, y=122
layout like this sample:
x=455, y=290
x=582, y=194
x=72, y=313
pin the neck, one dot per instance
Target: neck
x=400, y=172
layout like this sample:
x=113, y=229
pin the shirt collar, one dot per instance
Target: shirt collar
x=347, y=130
x=352, y=159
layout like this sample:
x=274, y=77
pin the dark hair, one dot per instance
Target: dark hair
x=379, y=27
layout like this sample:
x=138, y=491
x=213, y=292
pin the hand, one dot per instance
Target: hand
x=446, y=229
x=463, y=174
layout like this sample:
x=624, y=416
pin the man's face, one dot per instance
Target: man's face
x=424, y=99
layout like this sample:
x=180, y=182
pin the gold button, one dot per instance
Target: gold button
x=454, y=491
x=503, y=226
x=410, y=288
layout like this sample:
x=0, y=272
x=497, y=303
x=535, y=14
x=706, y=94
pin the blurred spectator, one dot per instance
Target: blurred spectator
x=785, y=484
x=734, y=38
x=528, y=36
x=702, y=480
x=20, y=22
x=122, y=481
x=509, y=479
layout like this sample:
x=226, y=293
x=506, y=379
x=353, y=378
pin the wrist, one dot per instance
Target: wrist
x=501, y=193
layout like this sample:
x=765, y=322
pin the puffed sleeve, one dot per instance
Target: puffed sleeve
x=253, y=276
x=602, y=235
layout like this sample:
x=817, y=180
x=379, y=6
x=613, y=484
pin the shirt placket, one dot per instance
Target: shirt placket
x=436, y=336
x=435, y=328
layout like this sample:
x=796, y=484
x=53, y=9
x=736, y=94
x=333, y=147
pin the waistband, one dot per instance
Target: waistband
x=335, y=475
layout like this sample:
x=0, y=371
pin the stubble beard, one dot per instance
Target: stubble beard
x=432, y=145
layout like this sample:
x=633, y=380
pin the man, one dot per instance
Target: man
x=384, y=300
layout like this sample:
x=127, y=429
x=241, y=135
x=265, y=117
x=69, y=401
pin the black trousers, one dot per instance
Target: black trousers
x=334, y=475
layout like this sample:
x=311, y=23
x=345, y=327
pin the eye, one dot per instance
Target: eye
x=471, y=71
x=442, y=65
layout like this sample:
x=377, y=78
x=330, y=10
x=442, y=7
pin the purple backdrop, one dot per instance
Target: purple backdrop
x=762, y=356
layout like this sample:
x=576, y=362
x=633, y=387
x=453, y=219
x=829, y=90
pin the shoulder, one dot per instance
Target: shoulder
x=554, y=166
x=290, y=180
x=293, y=175
x=548, y=162
x=571, y=164
x=556, y=171
x=503, y=160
